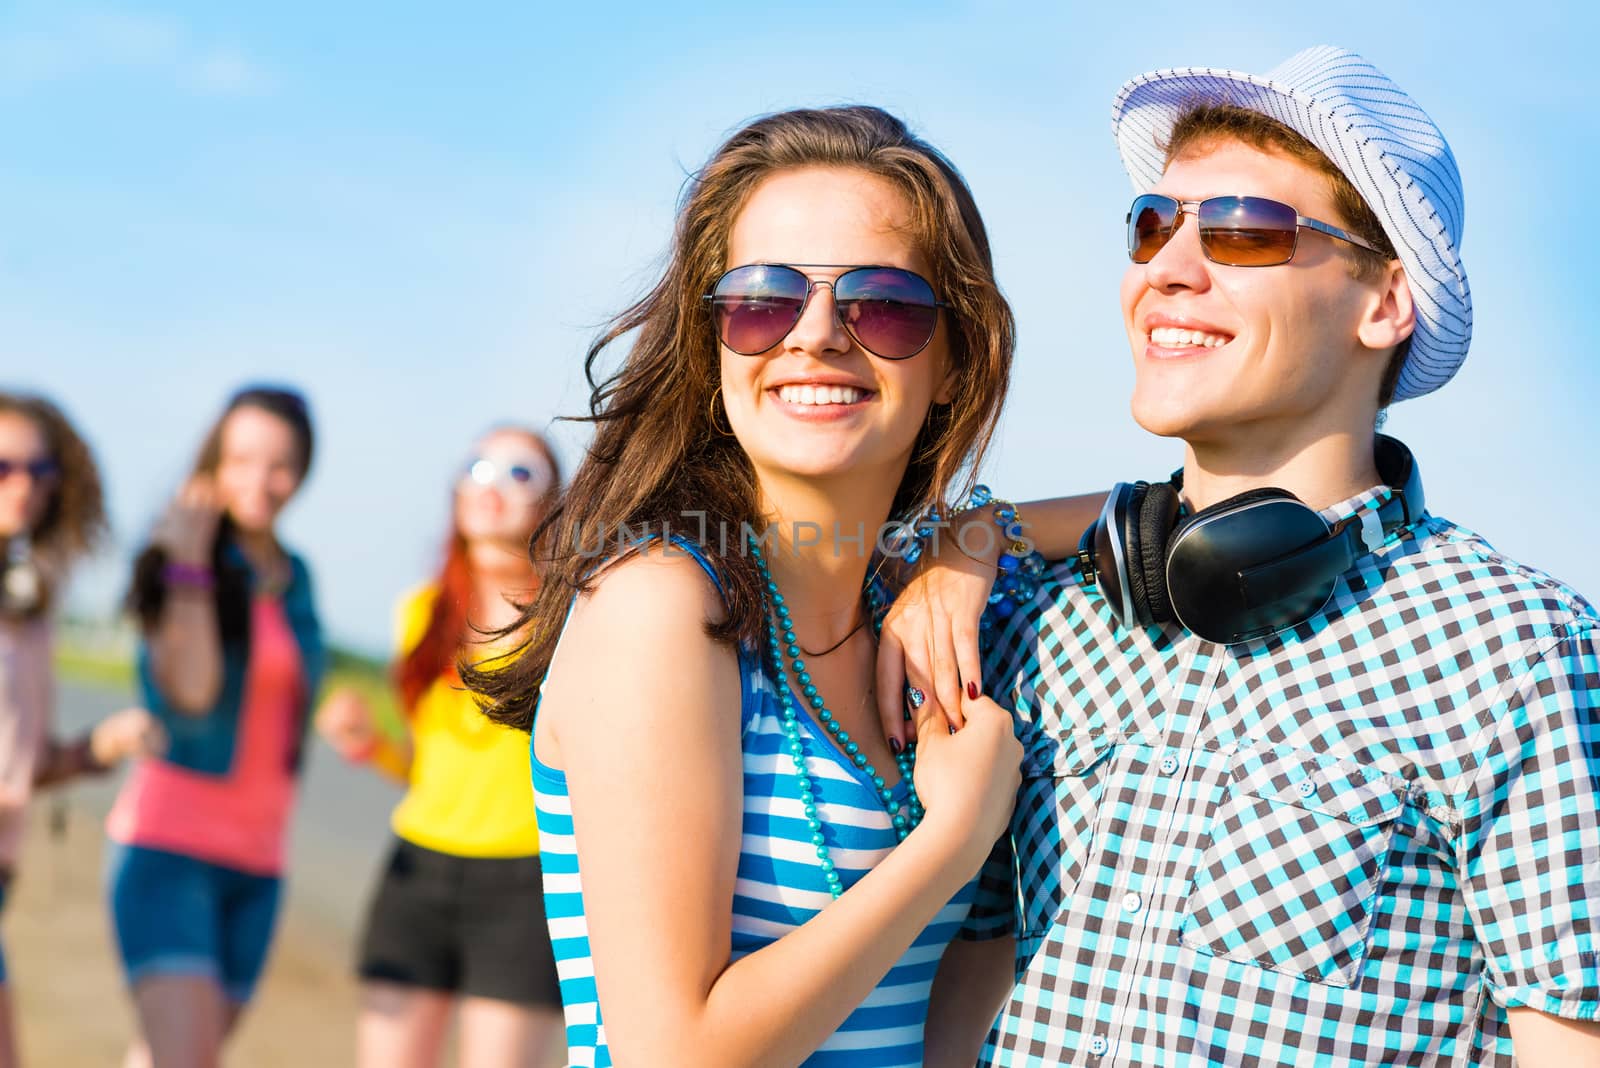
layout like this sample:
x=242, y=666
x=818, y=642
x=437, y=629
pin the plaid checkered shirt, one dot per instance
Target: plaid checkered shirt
x=1354, y=843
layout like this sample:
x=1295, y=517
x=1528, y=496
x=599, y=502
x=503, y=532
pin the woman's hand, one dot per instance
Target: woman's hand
x=188, y=530
x=130, y=734
x=930, y=636
x=185, y=640
x=967, y=779
x=346, y=722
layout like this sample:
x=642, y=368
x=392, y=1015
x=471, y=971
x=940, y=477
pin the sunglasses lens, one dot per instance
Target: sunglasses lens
x=1150, y=224
x=1248, y=231
x=37, y=470
x=754, y=307
x=520, y=475
x=892, y=313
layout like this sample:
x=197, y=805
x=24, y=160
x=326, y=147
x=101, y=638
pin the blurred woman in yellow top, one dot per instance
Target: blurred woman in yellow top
x=457, y=920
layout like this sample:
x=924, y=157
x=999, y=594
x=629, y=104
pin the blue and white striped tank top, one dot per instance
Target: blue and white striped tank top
x=779, y=885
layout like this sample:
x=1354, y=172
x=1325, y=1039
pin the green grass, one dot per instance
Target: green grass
x=370, y=678
x=104, y=671
x=111, y=670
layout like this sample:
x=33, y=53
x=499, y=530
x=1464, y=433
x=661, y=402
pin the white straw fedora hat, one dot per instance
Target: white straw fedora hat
x=1372, y=131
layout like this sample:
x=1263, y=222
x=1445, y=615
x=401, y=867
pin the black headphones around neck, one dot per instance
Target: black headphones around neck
x=1244, y=568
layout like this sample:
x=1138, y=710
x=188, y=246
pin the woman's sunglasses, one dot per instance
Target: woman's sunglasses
x=42, y=470
x=1235, y=231
x=889, y=311
x=530, y=476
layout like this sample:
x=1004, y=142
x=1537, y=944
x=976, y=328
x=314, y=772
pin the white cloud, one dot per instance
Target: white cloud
x=96, y=41
x=226, y=71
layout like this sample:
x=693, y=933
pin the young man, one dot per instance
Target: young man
x=1296, y=791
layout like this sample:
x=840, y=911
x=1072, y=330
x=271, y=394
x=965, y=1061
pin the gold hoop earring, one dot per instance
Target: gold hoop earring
x=711, y=415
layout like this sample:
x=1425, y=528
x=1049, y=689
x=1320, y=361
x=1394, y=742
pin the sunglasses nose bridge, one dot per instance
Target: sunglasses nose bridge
x=1163, y=234
x=23, y=472
x=1175, y=263
x=814, y=284
x=1185, y=208
x=835, y=315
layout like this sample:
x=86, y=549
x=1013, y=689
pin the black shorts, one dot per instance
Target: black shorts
x=467, y=925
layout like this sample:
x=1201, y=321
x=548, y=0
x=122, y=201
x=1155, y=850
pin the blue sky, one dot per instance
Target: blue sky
x=420, y=219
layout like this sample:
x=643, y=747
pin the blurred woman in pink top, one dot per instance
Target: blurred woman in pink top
x=230, y=658
x=50, y=514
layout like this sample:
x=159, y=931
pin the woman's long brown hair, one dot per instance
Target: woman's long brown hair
x=657, y=457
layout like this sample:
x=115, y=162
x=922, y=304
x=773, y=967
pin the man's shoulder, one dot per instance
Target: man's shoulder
x=1443, y=582
x=1457, y=571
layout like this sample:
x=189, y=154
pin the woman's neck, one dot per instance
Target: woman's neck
x=501, y=575
x=819, y=544
x=260, y=548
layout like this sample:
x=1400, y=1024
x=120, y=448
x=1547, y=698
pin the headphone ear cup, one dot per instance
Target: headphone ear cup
x=1133, y=548
x=1157, y=517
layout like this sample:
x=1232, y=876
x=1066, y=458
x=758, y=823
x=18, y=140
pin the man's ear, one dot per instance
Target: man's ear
x=1392, y=316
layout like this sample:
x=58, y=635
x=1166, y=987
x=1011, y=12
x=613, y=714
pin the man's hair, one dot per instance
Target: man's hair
x=1202, y=124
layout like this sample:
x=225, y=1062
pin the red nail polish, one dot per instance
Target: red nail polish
x=972, y=689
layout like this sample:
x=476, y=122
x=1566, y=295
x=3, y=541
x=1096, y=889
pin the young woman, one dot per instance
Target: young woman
x=458, y=919
x=50, y=515
x=230, y=658
x=738, y=869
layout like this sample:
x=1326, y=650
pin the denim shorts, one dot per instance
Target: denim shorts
x=176, y=915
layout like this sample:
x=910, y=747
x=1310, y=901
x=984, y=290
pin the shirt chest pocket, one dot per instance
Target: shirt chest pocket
x=1296, y=859
x=1053, y=823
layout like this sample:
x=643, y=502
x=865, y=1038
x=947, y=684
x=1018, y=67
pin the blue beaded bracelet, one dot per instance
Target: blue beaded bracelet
x=1020, y=565
x=910, y=539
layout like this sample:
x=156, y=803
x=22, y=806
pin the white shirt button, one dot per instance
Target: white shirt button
x=1098, y=1045
x=1169, y=764
x=1131, y=902
x=1307, y=788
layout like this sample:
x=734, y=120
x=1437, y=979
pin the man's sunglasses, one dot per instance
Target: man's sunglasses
x=1236, y=231
x=889, y=311
x=41, y=470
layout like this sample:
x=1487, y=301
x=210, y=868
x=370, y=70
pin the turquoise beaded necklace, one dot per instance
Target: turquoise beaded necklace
x=779, y=623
